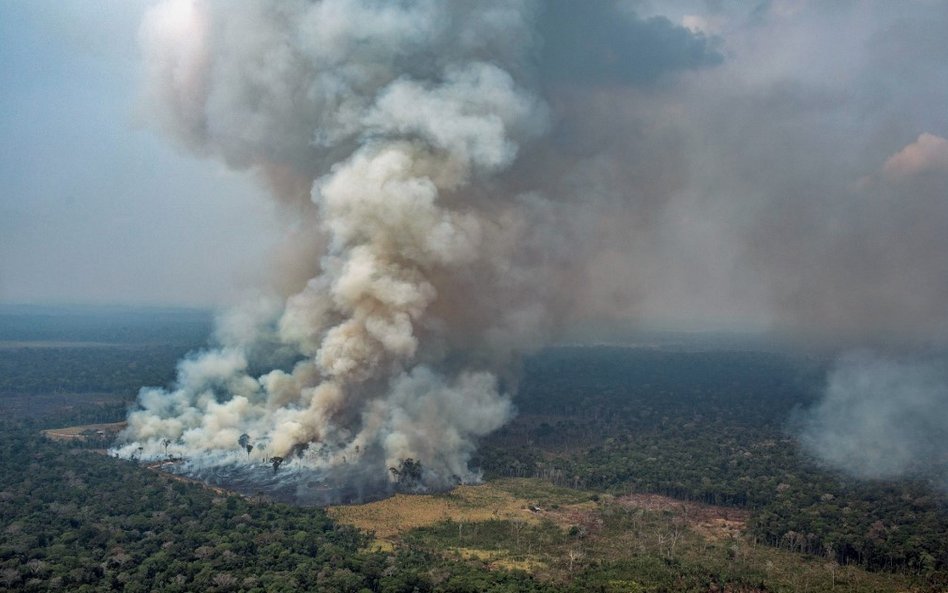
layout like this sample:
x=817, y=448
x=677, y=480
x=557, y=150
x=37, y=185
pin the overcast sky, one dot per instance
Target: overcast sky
x=95, y=207
x=783, y=160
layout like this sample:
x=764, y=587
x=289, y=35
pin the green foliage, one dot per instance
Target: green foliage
x=616, y=546
x=709, y=427
x=488, y=535
x=94, y=349
x=104, y=324
x=91, y=369
x=712, y=427
x=77, y=521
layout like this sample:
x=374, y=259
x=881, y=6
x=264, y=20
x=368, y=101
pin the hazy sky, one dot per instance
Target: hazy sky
x=94, y=207
x=782, y=160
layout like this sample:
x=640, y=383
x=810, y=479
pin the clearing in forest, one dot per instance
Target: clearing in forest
x=511, y=500
x=523, y=499
x=635, y=541
x=85, y=431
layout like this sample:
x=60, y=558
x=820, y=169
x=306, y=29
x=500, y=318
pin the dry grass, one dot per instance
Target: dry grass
x=71, y=433
x=501, y=560
x=713, y=522
x=615, y=529
x=465, y=504
x=512, y=499
x=505, y=500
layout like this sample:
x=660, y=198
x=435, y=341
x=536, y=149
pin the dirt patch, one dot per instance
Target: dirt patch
x=583, y=516
x=467, y=504
x=85, y=432
x=713, y=522
x=514, y=499
x=402, y=512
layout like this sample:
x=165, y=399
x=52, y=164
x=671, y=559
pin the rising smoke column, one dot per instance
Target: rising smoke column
x=396, y=115
x=422, y=257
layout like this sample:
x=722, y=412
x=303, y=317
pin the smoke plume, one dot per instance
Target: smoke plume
x=388, y=131
x=882, y=418
x=460, y=180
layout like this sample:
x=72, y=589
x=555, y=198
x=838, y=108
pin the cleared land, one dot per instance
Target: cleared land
x=559, y=534
x=529, y=501
x=504, y=500
x=85, y=431
x=714, y=522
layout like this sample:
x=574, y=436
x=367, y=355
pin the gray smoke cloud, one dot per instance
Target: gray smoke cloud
x=389, y=131
x=882, y=418
x=461, y=180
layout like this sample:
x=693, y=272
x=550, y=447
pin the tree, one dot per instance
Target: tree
x=408, y=474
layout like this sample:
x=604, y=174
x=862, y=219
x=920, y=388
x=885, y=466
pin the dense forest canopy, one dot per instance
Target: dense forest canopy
x=716, y=427
x=711, y=426
x=112, y=325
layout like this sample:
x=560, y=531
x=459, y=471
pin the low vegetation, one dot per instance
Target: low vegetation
x=714, y=428
x=71, y=520
x=587, y=541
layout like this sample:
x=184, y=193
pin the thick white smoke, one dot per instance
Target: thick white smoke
x=397, y=116
x=458, y=178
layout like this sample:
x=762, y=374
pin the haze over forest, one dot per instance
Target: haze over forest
x=390, y=204
x=634, y=268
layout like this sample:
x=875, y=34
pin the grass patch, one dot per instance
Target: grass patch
x=403, y=512
x=84, y=431
x=586, y=541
